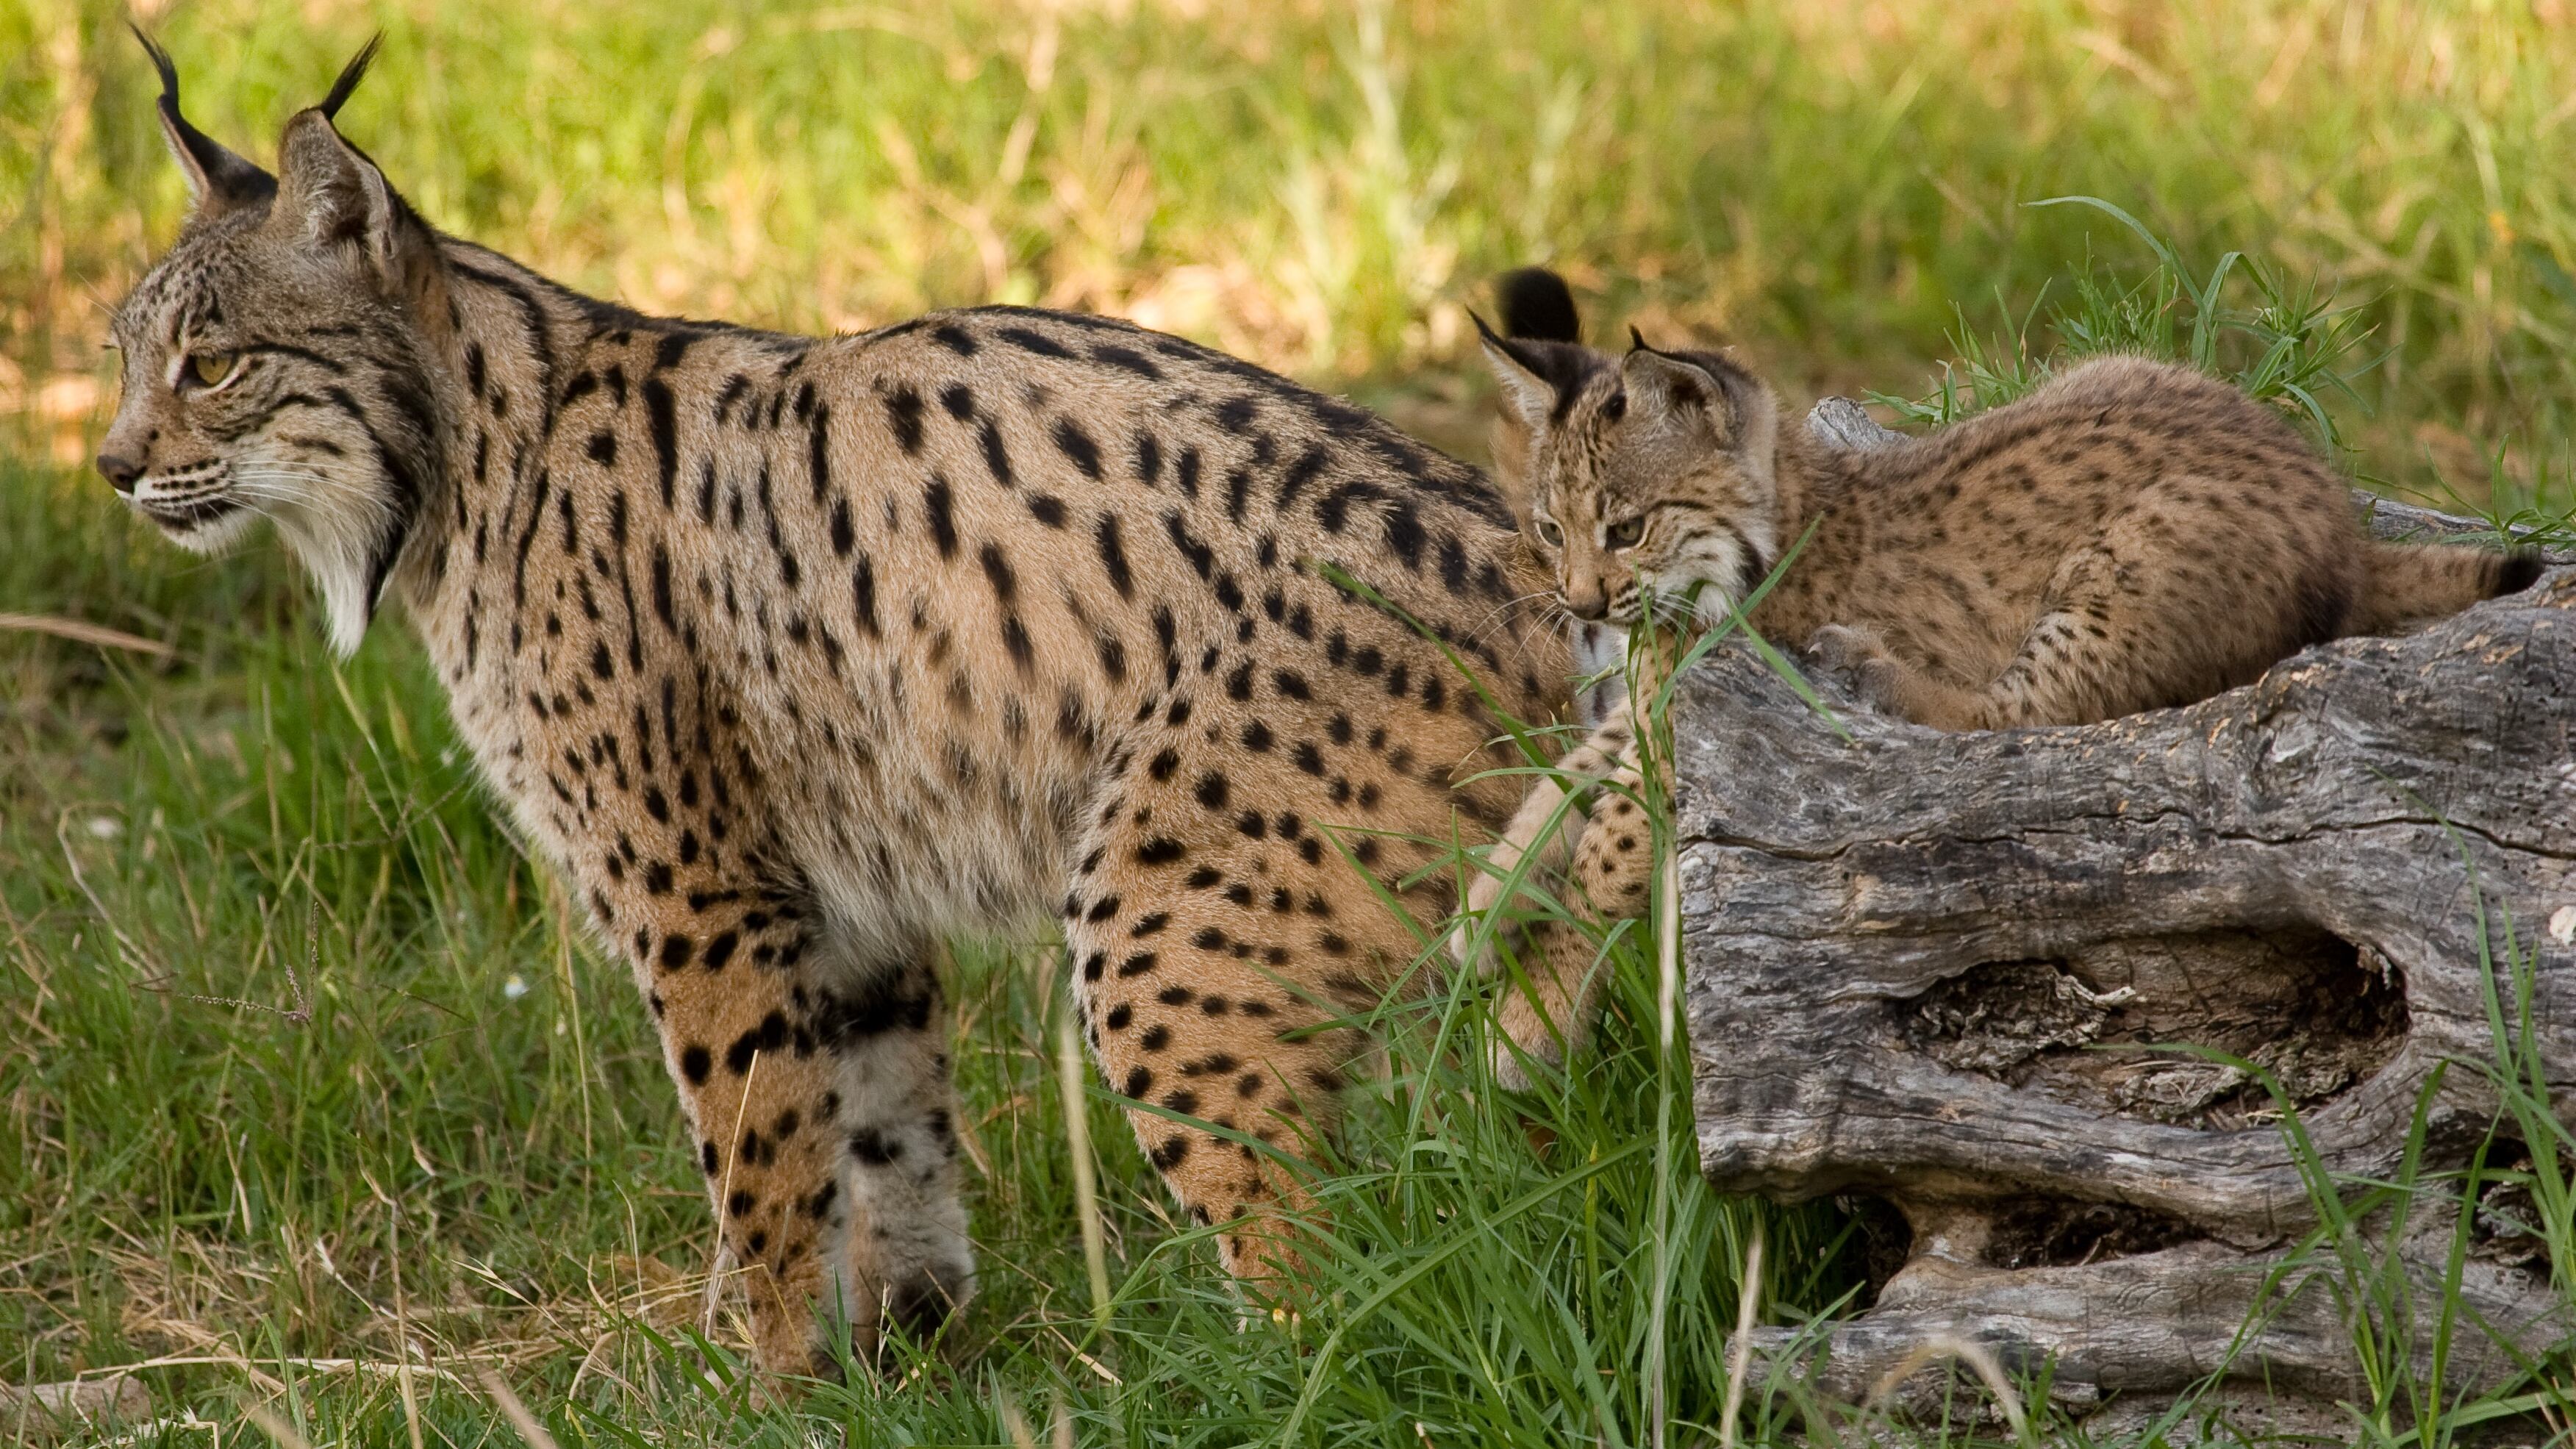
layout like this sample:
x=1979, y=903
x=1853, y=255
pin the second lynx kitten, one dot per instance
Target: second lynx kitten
x=2130, y=536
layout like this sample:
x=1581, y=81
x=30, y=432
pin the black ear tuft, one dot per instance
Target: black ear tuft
x=221, y=179
x=1560, y=366
x=350, y=74
x=1538, y=305
x=161, y=62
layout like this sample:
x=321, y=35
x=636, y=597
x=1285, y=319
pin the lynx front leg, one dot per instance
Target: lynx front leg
x=1887, y=684
x=1549, y=1016
x=725, y=972
x=1545, y=826
x=817, y=1084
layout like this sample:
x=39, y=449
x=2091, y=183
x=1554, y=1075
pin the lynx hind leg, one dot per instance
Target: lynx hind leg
x=1544, y=826
x=906, y=1258
x=2126, y=625
x=1217, y=954
x=1548, y=1017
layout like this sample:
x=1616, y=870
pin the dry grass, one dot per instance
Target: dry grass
x=1324, y=187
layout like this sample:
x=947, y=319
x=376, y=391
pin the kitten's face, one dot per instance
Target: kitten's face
x=271, y=369
x=1645, y=478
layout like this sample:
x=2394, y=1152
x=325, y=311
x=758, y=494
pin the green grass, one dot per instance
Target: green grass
x=1325, y=187
x=302, y=1062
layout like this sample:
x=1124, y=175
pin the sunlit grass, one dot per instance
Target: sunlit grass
x=1324, y=187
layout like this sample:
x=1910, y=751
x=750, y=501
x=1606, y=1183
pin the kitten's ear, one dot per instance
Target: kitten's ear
x=1679, y=389
x=1529, y=388
x=330, y=194
x=1528, y=400
x=218, y=180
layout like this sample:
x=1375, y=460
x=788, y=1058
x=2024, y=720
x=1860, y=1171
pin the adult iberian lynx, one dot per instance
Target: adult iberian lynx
x=793, y=654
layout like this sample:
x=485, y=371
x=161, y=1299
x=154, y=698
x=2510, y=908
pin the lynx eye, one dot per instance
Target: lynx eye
x=208, y=369
x=1626, y=532
x=1550, y=534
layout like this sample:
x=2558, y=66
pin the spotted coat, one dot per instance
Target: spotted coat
x=795, y=656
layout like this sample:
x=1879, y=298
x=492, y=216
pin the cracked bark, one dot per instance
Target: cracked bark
x=1937, y=969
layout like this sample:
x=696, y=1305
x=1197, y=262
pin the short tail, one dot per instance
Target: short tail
x=2408, y=583
x=1536, y=303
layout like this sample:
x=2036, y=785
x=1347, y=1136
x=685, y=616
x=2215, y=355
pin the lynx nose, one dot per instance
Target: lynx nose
x=120, y=471
x=1594, y=606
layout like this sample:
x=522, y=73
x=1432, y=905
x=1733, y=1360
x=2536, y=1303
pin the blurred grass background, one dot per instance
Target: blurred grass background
x=1323, y=187
x=466, y=1154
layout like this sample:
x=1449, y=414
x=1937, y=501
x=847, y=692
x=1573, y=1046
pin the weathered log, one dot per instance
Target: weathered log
x=1936, y=969
x=46, y=1412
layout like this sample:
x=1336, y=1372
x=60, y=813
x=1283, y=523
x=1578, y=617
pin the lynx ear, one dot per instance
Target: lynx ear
x=1678, y=389
x=1529, y=385
x=218, y=180
x=350, y=74
x=330, y=194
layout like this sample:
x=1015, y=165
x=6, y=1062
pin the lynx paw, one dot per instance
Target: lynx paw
x=1859, y=659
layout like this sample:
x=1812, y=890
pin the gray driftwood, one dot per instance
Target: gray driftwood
x=1929, y=969
x=76, y=1407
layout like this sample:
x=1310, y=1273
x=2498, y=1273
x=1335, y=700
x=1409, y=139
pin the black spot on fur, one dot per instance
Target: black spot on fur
x=1128, y=358
x=997, y=458
x=1029, y=340
x=873, y=1148
x=940, y=507
x=903, y=414
x=1113, y=556
x=1077, y=446
x=769, y=1036
x=665, y=432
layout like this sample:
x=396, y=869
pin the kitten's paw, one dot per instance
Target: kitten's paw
x=1859, y=659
